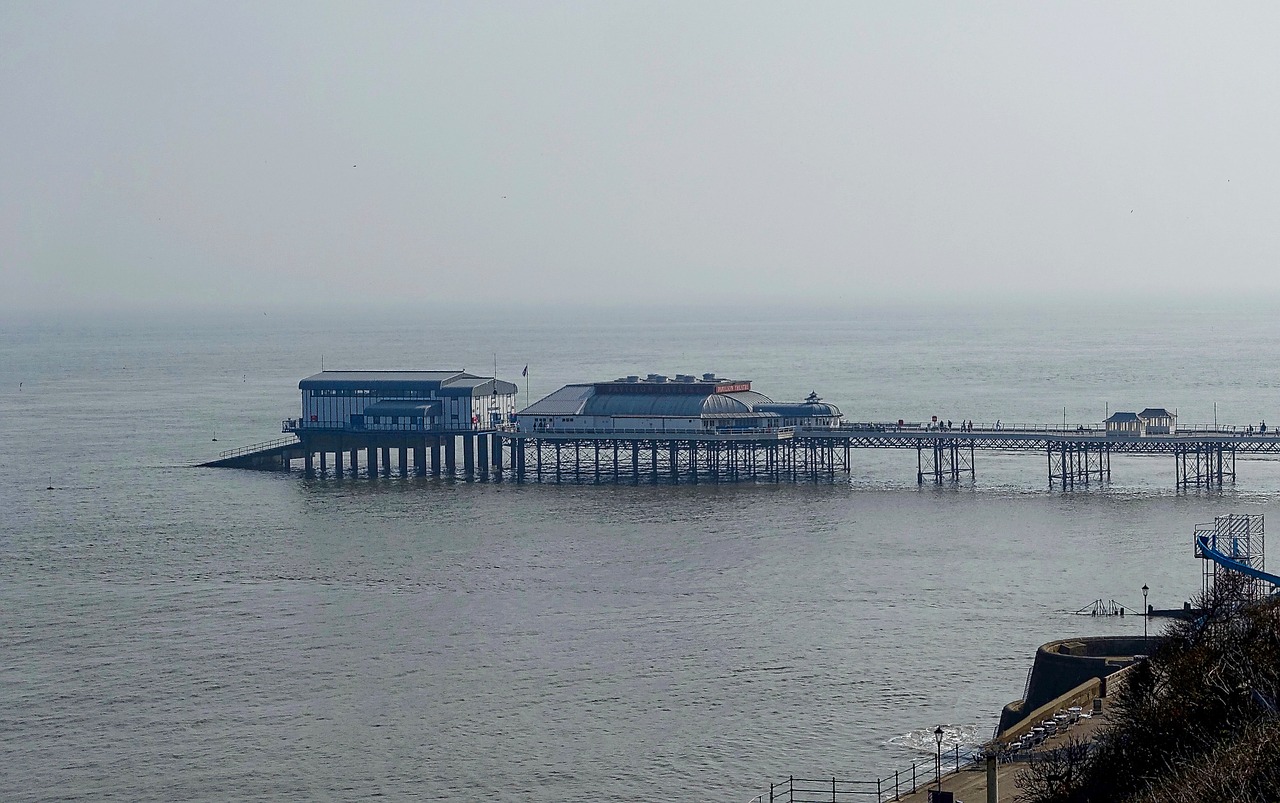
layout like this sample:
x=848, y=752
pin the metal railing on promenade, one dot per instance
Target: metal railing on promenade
x=920, y=775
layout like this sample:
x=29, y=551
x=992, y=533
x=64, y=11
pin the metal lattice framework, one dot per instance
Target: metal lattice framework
x=1074, y=457
x=940, y=459
x=1072, y=462
x=613, y=460
x=1235, y=544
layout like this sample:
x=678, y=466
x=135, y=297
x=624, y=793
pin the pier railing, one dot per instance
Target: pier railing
x=1013, y=428
x=299, y=425
x=722, y=431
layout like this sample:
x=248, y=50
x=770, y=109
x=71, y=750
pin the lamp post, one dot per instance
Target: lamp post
x=1145, y=610
x=937, y=738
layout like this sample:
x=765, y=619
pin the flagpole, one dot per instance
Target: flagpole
x=495, y=417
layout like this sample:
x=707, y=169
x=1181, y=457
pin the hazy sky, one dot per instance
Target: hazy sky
x=256, y=153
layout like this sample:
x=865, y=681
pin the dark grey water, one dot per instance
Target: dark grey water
x=179, y=633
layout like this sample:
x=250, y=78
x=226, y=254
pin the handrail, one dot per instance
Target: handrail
x=977, y=428
x=258, y=447
x=299, y=425
x=891, y=787
x=988, y=427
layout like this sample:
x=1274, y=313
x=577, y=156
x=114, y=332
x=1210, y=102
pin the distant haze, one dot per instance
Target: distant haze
x=179, y=154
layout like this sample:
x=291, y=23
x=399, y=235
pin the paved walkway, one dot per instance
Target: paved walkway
x=970, y=785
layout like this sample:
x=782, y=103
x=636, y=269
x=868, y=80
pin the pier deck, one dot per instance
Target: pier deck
x=1073, y=456
x=1040, y=438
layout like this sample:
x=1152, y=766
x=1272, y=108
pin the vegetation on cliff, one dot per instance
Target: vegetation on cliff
x=1198, y=722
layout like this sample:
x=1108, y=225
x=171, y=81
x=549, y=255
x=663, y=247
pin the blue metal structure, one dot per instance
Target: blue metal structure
x=1235, y=543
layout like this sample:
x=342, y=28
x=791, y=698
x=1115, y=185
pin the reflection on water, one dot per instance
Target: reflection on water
x=177, y=632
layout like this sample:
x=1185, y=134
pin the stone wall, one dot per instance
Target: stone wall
x=1061, y=666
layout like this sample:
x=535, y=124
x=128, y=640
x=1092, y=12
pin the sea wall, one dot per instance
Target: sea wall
x=1061, y=666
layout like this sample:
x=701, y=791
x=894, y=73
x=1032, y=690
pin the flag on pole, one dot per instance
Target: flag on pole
x=525, y=372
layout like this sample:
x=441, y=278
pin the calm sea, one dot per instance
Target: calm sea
x=176, y=633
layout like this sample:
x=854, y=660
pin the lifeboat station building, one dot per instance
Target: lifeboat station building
x=684, y=405
x=402, y=414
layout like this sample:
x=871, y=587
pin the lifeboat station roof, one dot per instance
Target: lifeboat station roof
x=442, y=383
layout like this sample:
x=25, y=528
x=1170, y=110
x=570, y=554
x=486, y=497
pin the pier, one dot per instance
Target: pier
x=688, y=430
x=1071, y=458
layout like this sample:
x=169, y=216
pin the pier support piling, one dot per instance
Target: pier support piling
x=939, y=459
x=1073, y=463
x=1204, y=464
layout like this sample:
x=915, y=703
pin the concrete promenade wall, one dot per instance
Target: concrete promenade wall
x=1061, y=666
x=1082, y=695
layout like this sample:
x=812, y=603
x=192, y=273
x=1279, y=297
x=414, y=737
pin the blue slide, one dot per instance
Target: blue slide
x=1234, y=565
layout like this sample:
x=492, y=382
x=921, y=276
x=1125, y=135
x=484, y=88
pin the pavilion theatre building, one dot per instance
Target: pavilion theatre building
x=685, y=404
x=685, y=428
